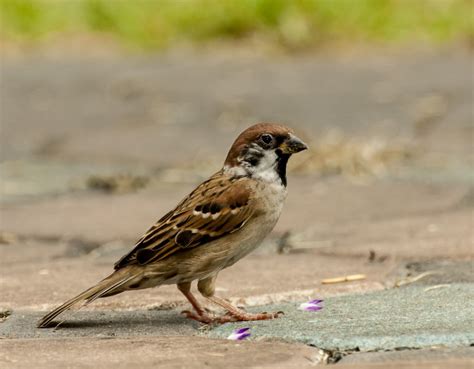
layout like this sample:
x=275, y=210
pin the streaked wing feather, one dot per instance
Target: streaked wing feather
x=217, y=207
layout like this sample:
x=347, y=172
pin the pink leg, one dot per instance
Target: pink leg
x=200, y=315
x=206, y=287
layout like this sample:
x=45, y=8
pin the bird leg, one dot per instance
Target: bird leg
x=200, y=314
x=207, y=288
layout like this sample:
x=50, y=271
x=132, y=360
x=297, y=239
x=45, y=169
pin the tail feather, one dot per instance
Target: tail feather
x=107, y=287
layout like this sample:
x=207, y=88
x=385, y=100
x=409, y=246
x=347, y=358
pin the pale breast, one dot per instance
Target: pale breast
x=271, y=198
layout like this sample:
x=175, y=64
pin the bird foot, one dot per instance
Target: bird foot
x=230, y=317
x=243, y=316
x=204, y=318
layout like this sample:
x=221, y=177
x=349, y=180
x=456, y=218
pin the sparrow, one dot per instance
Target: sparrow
x=221, y=221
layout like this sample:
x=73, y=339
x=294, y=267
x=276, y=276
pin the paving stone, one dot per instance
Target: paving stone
x=170, y=352
x=463, y=355
x=22, y=324
x=410, y=317
x=440, y=272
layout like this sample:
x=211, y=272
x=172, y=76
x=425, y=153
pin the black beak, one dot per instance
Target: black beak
x=293, y=145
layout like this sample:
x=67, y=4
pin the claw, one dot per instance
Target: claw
x=204, y=318
x=230, y=317
x=260, y=316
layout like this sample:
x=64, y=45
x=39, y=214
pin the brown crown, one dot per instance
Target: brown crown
x=251, y=134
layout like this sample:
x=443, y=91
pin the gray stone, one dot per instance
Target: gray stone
x=22, y=324
x=408, y=317
x=170, y=352
x=417, y=355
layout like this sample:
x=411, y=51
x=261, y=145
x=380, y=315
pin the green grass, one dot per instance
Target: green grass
x=156, y=24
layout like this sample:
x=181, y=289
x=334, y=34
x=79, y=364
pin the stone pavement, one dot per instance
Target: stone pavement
x=410, y=232
x=371, y=319
x=395, y=319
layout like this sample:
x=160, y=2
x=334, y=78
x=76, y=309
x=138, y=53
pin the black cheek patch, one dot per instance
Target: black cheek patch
x=253, y=157
x=253, y=161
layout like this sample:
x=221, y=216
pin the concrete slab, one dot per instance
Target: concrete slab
x=422, y=356
x=440, y=272
x=170, y=352
x=410, y=317
x=22, y=324
x=441, y=364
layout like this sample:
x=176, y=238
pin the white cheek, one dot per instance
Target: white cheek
x=266, y=168
x=268, y=160
x=264, y=171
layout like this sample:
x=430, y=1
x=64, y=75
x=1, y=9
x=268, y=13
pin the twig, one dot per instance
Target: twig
x=347, y=278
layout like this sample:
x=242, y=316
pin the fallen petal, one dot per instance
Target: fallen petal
x=312, y=305
x=239, y=334
x=241, y=330
x=313, y=308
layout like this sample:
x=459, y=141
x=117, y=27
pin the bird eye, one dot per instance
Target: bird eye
x=266, y=138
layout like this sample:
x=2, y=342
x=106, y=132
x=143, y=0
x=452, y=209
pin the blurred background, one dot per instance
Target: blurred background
x=112, y=111
x=157, y=90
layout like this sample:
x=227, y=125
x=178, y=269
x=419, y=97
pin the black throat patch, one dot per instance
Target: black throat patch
x=282, y=161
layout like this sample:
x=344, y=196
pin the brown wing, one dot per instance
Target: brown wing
x=217, y=207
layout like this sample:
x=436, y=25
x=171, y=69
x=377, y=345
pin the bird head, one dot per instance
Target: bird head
x=262, y=152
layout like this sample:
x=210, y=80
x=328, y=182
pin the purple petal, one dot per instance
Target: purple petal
x=241, y=337
x=311, y=305
x=241, y=330
x=239, y=334
x=313, y=308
